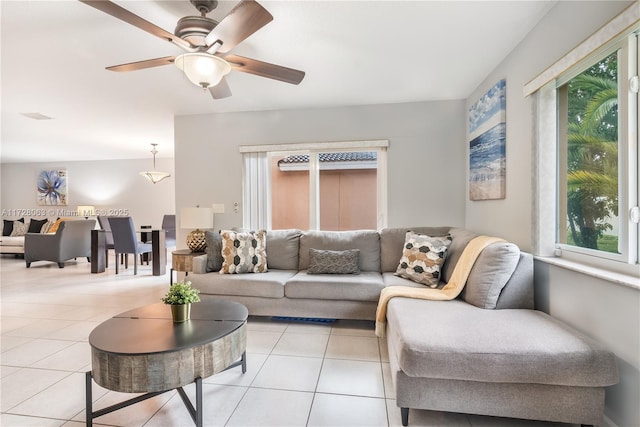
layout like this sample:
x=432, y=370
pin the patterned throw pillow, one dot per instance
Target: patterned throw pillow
x=333, y=262
x=46, y=227
x=244, y=252
x=422, y=258
x=19, y=228
x=56, y=225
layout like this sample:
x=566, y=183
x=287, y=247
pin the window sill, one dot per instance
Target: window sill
x=627, y=280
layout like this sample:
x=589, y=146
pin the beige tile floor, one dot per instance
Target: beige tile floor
x=299, y=374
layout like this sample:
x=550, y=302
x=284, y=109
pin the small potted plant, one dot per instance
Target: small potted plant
x=180, y=297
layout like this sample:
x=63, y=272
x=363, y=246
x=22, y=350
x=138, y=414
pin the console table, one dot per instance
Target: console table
x=143, y=351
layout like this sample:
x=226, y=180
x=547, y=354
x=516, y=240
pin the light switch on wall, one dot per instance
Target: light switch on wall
x=218, y=208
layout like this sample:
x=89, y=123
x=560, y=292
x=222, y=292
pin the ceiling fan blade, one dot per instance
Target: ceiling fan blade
x=123, y=14
x=243, y=20
x=221, y=90
x=265, y=69
x=141, y=65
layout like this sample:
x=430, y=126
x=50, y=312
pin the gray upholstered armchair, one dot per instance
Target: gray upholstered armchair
x=71, y=240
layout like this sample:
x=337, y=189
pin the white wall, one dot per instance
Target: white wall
x=109, y=184
x=425, y=156
x=604, y=310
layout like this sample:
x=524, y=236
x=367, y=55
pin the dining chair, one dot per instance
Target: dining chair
x=126, y=242
x=108, y=237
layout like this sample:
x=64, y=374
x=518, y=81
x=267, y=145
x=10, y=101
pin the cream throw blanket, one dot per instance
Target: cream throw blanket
x=450, y=291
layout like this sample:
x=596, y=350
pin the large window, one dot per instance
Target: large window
x=589, y=157
x=587, y=149
x=318, y=186
x=597, y=154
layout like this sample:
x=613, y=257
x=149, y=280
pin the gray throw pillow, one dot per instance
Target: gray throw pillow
x=490, y=274
x=213, y=251
x=333, y=262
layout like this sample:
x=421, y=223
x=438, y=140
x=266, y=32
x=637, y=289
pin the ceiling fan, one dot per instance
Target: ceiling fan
x=207, y=44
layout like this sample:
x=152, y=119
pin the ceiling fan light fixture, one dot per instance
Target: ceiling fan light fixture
x=203, y=69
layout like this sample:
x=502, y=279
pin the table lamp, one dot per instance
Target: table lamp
x=196, y=218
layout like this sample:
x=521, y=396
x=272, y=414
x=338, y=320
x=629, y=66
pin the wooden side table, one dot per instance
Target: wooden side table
x=182, y=260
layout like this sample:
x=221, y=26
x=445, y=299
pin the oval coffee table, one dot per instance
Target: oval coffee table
x=143, y=351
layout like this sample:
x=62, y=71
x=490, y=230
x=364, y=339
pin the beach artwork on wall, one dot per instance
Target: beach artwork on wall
x=487, y=145
x=52, y=188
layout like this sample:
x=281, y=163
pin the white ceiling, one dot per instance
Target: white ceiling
x=353, y=52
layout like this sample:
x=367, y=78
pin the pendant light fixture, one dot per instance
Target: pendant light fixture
x=153, y=175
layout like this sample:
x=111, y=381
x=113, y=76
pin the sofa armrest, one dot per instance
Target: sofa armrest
x=200, y=264
x=41, y=246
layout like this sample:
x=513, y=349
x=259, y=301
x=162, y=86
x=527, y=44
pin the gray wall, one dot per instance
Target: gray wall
x=426, y=169
x=108, y=184
x=610, y=313
x=605, y=310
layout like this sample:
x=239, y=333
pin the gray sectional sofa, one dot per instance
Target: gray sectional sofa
x=486, y=352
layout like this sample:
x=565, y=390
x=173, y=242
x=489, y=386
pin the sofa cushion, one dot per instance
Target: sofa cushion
x=282, y=249
x=390, y=279
x=213, y=250
x=392, y=243
x=365, y=286
x=333, y=262
x=460, y=238
x=266, y=285
x=490, y=274
x=368, y=241
x=19, y=229
x=422, y=258
x=455, y=340
x=12, y=241
x=35, y=225
x=243, y=252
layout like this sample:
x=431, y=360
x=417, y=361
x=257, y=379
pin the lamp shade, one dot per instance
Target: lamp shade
x=193, y=218
x=155, y=176
x=202, y=69
x=86, y=210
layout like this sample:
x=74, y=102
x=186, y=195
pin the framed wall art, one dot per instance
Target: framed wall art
x=487, y=145
x=52, y=188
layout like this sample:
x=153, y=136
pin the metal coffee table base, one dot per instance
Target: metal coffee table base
x=196, y=413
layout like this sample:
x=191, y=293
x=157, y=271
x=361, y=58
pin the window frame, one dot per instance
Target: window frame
x=626, y=48
x=313, y=149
